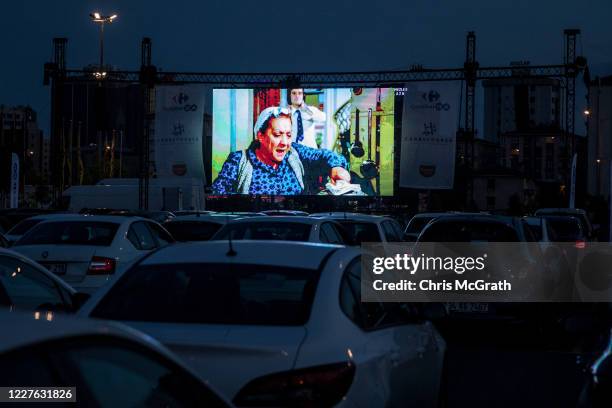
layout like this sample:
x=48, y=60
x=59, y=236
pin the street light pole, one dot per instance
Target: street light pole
x=102, y=20
x=101, y=45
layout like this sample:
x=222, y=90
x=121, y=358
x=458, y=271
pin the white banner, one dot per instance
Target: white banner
x=14, y=195
x=429, y=126
x=177, y=139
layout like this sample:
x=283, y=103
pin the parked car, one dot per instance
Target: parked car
x=240, y=213
x=157, y=216
x=27, y=224
x=285, y=213
x=182, y=213
x=86, y=251
x=578, y=213
x=366, y=228
x=292, y=228
x=416, y=225
x=521, y=257
x=197, y=227
x=27, y=285
x=597, y=387
x=9, y=217
x=286, y=329
x=108, y=364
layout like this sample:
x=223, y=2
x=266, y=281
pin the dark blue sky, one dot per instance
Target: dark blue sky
x=311, y=35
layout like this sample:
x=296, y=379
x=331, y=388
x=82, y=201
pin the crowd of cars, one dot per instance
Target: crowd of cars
x=200, y=308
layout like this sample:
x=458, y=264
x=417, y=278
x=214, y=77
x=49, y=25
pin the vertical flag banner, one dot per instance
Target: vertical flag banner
x=179, y=122
x=429, y=126
x=572, y=200
x=14, y=196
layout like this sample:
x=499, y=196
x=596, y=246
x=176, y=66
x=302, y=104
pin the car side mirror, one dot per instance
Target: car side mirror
x=79, y=299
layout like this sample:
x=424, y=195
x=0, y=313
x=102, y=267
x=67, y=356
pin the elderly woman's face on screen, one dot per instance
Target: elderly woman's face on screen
x=276, y=139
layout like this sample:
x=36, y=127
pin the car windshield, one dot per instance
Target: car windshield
x=283, y=231
x=417, y=224
x=469, y=231
x=23, y=227
x=565, y=229
x=212, y=294
x=192, y=230
x=361, y=231
x=71, y=233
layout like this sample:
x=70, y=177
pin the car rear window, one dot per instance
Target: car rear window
x=23, y=227
x=565, y=229
x=417, y=224
x=71, y=233
x=212, y=293
x=469, y=231
x=192, y=230
x=361, y=231
x=283, y=231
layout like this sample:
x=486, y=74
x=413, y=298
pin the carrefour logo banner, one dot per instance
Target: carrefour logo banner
x=429, y=125
x=177, y=139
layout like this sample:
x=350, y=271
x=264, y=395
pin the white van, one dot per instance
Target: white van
x=164, y=194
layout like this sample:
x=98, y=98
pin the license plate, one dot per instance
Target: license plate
x=467, y=307
x=56, y=268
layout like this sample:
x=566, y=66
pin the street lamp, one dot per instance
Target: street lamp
x=100, y=19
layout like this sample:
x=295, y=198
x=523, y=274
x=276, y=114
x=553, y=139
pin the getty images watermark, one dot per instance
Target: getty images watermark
x=487, y=272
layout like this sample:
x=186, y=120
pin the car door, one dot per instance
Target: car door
x=24, y=287
x=413, y=349
x=108, y=372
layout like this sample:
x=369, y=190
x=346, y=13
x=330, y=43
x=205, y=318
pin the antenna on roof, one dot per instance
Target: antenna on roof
x=231, y=251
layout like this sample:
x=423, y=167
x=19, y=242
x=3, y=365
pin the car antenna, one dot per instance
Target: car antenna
x=231, y=251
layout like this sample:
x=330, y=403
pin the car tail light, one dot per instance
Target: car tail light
x=580, y=244
x=100, y=265
x=318, y=386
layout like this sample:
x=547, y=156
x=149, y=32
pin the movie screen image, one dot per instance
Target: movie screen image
x=333, y=141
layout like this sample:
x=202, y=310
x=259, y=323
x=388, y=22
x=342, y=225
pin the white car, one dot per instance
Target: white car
x=365, y=227
x=284, y=228
x=24, y=226
x=86, y=250
x=279, y=324
x=26, y=285
x=106, y=364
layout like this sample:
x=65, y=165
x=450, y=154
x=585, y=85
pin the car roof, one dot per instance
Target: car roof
x=216, y=218
x=281, y=253
x=534, y=220
x=119, y=219
x=297, y=219
x=560, y=210
x=427, y=214
x=475, y=217
x=51, y=216
x=340, y=216
x=34, y=327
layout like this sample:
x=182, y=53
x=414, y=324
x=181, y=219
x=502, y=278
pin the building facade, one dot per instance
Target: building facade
x=599, y=131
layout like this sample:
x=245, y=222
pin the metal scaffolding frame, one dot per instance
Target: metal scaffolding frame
x=148, y=76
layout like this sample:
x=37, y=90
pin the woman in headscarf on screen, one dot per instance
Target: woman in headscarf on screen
x=273, y=165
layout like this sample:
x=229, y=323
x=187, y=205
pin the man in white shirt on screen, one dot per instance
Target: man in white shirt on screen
x=304, y=118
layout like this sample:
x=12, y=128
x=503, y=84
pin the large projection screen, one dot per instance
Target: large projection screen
x=303, y=141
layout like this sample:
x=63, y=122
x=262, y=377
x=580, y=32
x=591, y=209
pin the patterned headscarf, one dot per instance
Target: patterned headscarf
x=266, y=115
